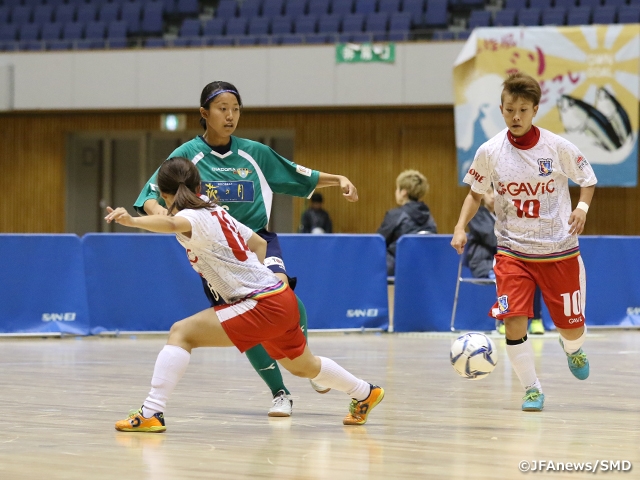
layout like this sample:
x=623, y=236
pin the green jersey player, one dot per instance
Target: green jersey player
x=242, y=176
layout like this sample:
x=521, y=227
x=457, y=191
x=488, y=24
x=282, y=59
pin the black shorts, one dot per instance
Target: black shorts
x=273, y=261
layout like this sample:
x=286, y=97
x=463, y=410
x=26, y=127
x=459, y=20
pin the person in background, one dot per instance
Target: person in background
x=412, y=216
x=482, y=245
x=316, y=219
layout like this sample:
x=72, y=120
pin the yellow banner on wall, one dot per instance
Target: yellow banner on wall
x=589, y=76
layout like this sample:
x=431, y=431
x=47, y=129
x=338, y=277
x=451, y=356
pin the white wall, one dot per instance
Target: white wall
x=283, y=76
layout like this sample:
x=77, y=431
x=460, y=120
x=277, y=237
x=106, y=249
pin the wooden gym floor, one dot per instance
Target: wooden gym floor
x=60, y=397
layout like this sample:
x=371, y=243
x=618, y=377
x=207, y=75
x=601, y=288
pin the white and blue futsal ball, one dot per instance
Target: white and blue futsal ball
x=473, y=355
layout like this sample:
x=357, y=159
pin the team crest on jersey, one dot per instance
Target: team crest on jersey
x=243, y=172
x=503, y=303
x=545, y=166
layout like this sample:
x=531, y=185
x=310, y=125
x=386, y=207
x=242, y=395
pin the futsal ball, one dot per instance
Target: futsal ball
x=473, y=355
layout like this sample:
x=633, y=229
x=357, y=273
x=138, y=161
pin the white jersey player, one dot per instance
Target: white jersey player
x=260, y=309
x=536, y=227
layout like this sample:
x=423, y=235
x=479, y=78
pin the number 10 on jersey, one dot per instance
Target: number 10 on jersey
x=527, y=208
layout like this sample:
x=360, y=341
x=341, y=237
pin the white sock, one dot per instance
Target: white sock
x=333, y=375
x=171, y=364
x=572, y=346
x=522, y=360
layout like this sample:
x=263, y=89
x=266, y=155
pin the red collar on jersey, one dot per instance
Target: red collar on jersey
x=526, y=141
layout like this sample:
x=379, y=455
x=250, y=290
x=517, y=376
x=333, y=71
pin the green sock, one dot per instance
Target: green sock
x=267, y=368
x=303, y=316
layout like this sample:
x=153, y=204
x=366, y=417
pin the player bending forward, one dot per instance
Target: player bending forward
x=261, y=309
x=529, y=169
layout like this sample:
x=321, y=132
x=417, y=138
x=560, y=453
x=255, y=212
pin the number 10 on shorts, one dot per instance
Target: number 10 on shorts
x=571, y=303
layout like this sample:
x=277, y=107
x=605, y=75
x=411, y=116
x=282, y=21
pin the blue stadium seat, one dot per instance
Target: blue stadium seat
x=72, y=33
x=190, y=28
x=377, y=25
x=365, y=7
x=86, y=12
x=615, y=3
x=170, y=7
x=307, y=25
x=8, y=33
x=318, y=7
x=579, y=16
x=151, y=22
x=42, y=14
x=443, y=35
x=250, y=8
x=65, y=13
x=516, y=5
x=590, y=3
x=214, y=27
x=329, y=26
x=295, y=8
x=399, y=27
x=479, y=18
x=629, y=14
x=117, y=34
x=389, y=6
x=131, y=14
x=604, y=15
x=220, y=41
x=21, y=14
x=226, y=9
x=32, y=3
x=272, y=8
x=281, y=26
x=4, y=15
x=29, y=31
x=11, y=3
x=237, y=27
x=109, y=12
x=529, y=17
x=341, y=7
x=353, y=23
x=291, y=39
x=554, y=16
x=259, y=30
x=436, y=15
x=187, y=7
x=504, y=18
x=318, y=38
x=416, y=9
x=463, y=35
x=94, y=33
x=51, y=31
x=541, y=4
x=154, y=43
x=181, y=42
x=566, y=4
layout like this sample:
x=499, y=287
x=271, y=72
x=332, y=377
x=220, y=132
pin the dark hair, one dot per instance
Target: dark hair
x=209, y=93
x=521, y=85
x=181, y=178
x=316, y=198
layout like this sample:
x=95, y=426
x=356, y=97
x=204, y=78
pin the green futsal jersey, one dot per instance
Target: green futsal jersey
x=243, y=180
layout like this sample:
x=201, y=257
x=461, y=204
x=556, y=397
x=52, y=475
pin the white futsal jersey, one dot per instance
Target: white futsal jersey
x=218, y=251
x=532, y=201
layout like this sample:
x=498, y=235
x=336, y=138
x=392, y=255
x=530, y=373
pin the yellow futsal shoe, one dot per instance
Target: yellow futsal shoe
x=136, y=422
x=536, y=327
x=360, y=410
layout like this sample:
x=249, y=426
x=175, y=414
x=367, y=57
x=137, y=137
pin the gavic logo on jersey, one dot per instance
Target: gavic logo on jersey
x=545, y=166
x=515, y=189
x=479, y=178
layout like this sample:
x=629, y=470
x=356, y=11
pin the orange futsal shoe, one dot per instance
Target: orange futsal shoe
x=360, y=410
x=137, y=423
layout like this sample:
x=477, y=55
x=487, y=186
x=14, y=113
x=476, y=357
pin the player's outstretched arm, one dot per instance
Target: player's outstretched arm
x=578, y=217
x=469, y=209
x=348, y=189
x=152, y=207
x=152, y=223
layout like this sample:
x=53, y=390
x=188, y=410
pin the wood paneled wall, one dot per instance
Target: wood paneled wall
x=371, y=147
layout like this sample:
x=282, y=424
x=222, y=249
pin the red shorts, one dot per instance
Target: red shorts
x=562, y=283
x=273, y=321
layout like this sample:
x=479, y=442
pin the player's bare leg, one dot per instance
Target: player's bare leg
x=522, y=359
x=326, y=372
x=200, y=330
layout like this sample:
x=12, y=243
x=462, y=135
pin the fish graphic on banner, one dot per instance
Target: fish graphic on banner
x=590, y=83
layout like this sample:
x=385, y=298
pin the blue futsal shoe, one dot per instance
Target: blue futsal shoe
x=533, y=401
x=578, y=363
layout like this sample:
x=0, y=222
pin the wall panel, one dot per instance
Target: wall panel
x=370, y=146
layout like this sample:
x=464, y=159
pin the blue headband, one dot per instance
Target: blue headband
x=215, y=94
